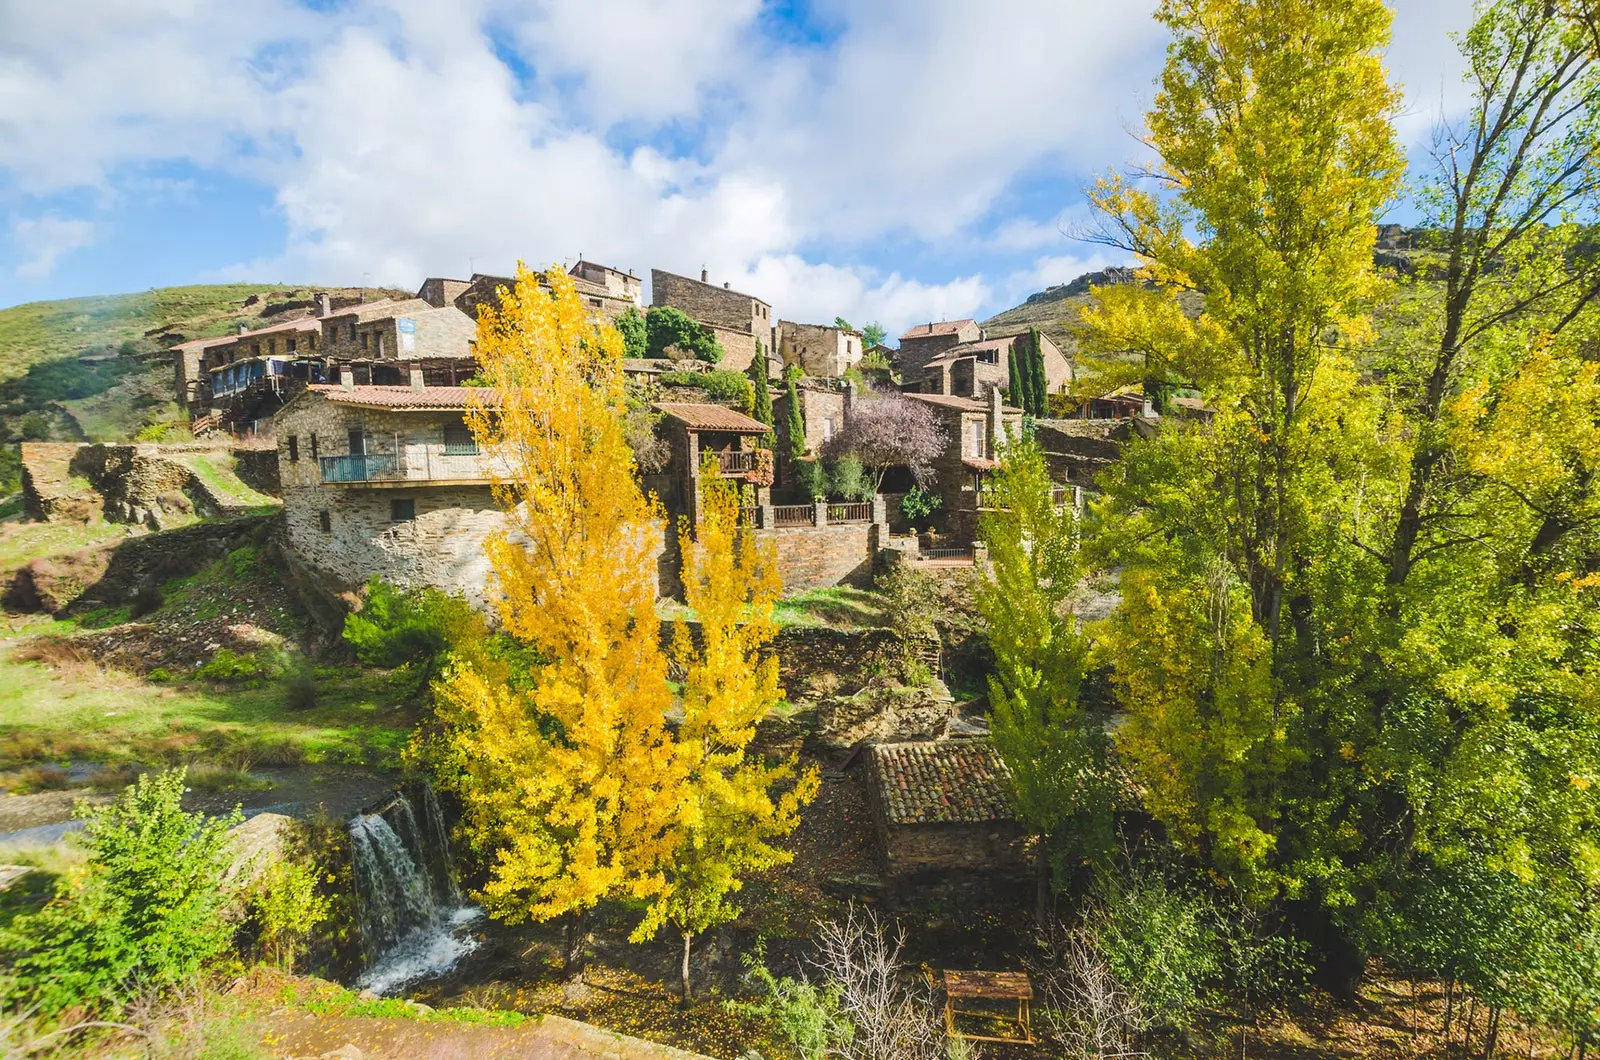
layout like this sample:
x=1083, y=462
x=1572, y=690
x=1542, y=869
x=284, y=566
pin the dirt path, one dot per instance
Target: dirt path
x=363, y=1038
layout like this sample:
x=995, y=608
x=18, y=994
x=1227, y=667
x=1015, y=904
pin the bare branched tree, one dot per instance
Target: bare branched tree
x=1084, y=1009
x=891, y=431
x=885, y=1014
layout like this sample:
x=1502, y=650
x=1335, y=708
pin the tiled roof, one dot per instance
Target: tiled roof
x=711, y=417
x=941, y=782
x=942, y=327
x=405, y=398
x=965, y=404
x=381, y=310
x=296, y=324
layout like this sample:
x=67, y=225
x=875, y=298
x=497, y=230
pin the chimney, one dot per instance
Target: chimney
x=849, y=397
x=705, y=277
x=347, y=379
x=324, y=304
x=416, y=379
x=241, y=327
x=727, y=285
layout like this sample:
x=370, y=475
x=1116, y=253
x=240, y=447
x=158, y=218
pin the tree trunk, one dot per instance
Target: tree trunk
x=1041, y=889
x=575, y=930
x=1449, y=1000
x=1491, y=1033
x=688, y=939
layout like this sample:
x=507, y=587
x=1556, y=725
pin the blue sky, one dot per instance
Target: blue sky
x=891, y=160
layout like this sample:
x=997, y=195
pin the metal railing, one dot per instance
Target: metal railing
x=946, y=553
x=853, y=512
x=794, y=515
x=423, y=466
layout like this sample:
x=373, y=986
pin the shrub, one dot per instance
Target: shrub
x=811, y=479
x=803, y=1014
x=848, y=479
x=143, y=916
x=415, y=627
x=287, y=908
x=912, y=603
x=720, y=385
x=1162, y=944
x=229, y=667
x=300, y=685
x=918, y=504
x=666, y=326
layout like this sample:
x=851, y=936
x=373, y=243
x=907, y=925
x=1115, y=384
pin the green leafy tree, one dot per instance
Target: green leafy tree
x=145, y=914
x=811, y=479
x=1017, y=386
x=873, y=335
x=666, y=326
x=1038, y=385
x=761, y=405
x=849, y=480
x=1055, y=750
x=635, y=337
x=412, y=627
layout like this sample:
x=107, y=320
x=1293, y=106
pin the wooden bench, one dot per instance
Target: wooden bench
x=988, y=986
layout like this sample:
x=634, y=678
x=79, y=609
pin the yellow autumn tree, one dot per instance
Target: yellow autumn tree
x=733, y=806
x=567, y=774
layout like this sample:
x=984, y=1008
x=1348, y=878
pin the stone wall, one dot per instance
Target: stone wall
x=48, y=494
x=819, y=349
x=993, y=846
x=816, y=557
x=257, y=467
x=738, y=320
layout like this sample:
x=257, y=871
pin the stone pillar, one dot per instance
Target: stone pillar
x=880, y=510
x=416, y=379
x=820, y=517
x=764, y=516
x=997, y=423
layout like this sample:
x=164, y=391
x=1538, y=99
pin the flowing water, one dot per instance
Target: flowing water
x=414, y=924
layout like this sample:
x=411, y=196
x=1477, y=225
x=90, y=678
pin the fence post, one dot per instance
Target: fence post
x=880, y=509
x=819, y=516
x=765, y=519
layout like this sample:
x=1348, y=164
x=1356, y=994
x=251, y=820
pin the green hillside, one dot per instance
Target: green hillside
x=95, y=369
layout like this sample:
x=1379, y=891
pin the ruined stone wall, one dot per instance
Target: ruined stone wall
x=819, y=349
x=257, y=468
x=48, y=494
x=992, y=846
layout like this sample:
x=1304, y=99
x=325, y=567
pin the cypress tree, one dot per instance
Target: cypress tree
x=762, y=407
x=1039, y=386
x=1014, y=388
x=795, y=424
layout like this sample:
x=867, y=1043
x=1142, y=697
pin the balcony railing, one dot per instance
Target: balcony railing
x=417, y=466
x=787, y=515
x=855, y=512
x=1060, y=497
x=736, y=462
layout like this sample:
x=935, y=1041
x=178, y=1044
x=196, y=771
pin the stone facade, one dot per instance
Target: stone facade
x=973, y=369
x=942, y=806
x=822, y=407
x=739, y=321
x=618, y=285
x=427, y=530
x=974, y=430
x=817, y=557
x=926, y=341
x=820, y=350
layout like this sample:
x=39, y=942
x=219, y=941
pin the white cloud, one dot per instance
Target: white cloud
x=816, y=293
x=44, y=240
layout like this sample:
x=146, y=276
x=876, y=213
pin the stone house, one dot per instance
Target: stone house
x=820, y=350
x=942, y=806
x=384, y=341
x=974, y=432
x=741, y=322
x=971, y=369
x=695, y=430
x=617, y=290
x=823, y=408
x=926, y=341
x=387, y=481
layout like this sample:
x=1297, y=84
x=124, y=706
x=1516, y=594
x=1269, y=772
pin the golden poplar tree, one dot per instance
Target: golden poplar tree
x=567, y=773
x=733, y=806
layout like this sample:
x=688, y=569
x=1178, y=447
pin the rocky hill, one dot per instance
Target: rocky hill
x=1055, y=309
x=94, y=369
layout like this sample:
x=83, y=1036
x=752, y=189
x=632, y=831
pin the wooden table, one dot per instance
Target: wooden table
x=988, y=986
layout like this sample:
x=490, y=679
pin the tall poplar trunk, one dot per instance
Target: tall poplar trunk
x=688, y=939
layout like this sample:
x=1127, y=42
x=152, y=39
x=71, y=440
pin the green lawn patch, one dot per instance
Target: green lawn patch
x=21, y=542
x=838, y=607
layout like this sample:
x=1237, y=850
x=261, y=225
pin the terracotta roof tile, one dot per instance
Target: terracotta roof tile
x=941, y=782
x=942, y=327
x=954, y=401
x=711, y=417
x=405, y=398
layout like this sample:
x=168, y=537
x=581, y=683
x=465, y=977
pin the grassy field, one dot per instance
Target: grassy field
x=20, y=542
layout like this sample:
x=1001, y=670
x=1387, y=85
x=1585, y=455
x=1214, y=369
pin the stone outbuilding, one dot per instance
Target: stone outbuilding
x=742, y=323
x=819, y=350
x=695, y=430
x=924, y=342
x=972, y=369
x=943, y=806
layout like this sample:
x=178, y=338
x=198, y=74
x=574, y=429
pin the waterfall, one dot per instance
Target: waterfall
x=412, y=916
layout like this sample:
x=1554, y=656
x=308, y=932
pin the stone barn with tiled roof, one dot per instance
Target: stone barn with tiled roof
x=942, y=806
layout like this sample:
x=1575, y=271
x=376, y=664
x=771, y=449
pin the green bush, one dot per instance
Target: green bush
x=414, y=627
x=803, y=1014
x=287, y=907
x=300, y=685
x=848, y=479
x=918, y=505
x=1162, y=944
x=721, y=385
x=635, y=338
x=229, y=667
x=144, y=915
x=665, y=326
x=811, y=479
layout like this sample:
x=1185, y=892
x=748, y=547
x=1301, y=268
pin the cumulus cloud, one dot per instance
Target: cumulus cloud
x=44, y=240
x=403, y=138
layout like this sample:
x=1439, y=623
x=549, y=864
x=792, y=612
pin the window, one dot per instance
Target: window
x=366, y=339
x=358, y=442
x=325, y=521
x=975, y=430
x=255, y=350
x=352, y=333
x=827, y=429
x=458, y=440
x=402, y=510
x=294, y=449
x=313, y=447
x=288, y=346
